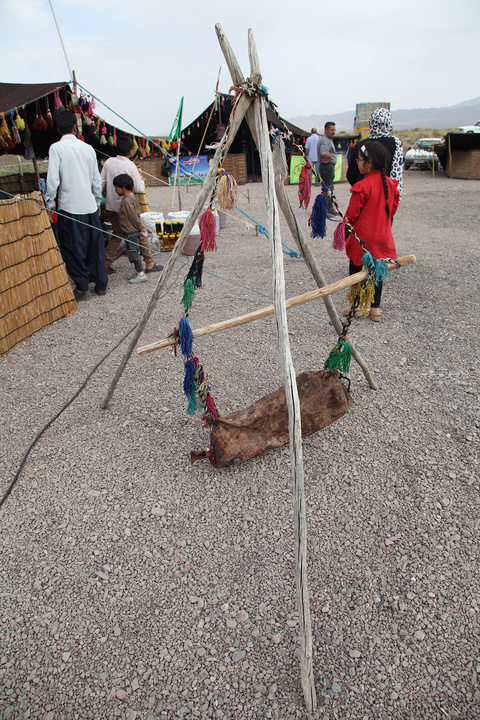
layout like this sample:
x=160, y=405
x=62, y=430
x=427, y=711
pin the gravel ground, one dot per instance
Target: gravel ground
x=136, y=585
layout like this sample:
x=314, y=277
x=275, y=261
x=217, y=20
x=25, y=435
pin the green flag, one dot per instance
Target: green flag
x=176, y=130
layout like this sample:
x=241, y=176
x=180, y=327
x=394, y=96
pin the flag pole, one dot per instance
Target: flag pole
x=175, y=134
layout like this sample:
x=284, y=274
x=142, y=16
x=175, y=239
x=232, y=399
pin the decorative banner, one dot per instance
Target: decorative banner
x=192, y=169
x=297, y=162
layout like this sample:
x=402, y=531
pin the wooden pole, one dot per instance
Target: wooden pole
x=240, y=110
x=280, y=166
x=269, y=310
x=291, y=392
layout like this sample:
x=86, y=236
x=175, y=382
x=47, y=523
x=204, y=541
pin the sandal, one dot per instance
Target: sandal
x=375, y=314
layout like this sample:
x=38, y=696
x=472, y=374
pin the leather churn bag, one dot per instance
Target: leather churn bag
x=263, y=426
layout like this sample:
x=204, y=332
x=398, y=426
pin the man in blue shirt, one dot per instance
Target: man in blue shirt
x=328, y=159
x=311, y=151
x=73, y=179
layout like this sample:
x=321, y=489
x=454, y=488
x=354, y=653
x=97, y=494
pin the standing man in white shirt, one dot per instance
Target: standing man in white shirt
x=311, y=152
x=114, y=166
x=74, y=181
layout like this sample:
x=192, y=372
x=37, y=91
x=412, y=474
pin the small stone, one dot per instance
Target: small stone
x=231, y=624
x=355, y=653
x=121, y=694
x=277, y=638
x=419, y=635
x=238, y=655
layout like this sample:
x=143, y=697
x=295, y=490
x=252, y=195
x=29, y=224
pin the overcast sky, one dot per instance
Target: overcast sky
x=140, y=56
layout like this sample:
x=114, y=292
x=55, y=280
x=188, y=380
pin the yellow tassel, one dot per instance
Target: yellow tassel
x=227, y=192
x=135, y=145
x=147, y=148
x=19, y=122
x=366, y=291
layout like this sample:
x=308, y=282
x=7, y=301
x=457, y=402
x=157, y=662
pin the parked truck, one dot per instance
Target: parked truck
x=362, y=115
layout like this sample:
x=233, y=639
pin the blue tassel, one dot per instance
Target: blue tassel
x=193, y=404
x=318, y=218
x=186, y=337
x=380, y=272
x=188, y=383
x=367, y=260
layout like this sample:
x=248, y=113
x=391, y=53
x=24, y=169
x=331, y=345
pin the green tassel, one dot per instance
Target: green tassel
x=340, y=357
x=188, y=294
x=193, y=404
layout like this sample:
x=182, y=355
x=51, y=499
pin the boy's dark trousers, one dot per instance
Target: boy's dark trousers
x=132, y=243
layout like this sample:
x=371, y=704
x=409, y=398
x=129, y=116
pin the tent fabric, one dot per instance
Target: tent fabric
x=15, y=95
x=243, y=143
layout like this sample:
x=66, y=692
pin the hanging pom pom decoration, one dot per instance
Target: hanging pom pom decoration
x=338, y=242
x=188, y=382
x=103, y=139
x=367, y=260
x=196, y=268
x=305, y=185
x=19, y=122
x=110, y=140
x=4, y=131
x=188, y=294
x=147, y=149
x=207, y=231
x=114, y=137
x=193, y=404
x=135, y=146
x=16, y=134
x=186, y=337
x=58, y=102
x=340, y=357
x=227, y=191
x=48, y=116
x=210, y=410
x=91, y=107
x=380, y=272
x=318, y=218
x=365, y=291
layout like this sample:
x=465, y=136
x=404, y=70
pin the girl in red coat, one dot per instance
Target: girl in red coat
x=372, y=206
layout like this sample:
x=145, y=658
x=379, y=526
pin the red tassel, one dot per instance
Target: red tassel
x=207, y=231
x=338, y=242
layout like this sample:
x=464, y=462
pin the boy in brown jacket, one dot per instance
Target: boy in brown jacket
x=130, y=224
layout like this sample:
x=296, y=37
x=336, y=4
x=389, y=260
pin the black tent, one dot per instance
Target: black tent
x=35, y=104
x=195, y=140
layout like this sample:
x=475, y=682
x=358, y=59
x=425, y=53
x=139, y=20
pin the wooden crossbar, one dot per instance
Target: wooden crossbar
x=269, y=310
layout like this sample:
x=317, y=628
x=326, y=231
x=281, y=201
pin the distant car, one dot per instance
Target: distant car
x=470, y=128
x=422, y=154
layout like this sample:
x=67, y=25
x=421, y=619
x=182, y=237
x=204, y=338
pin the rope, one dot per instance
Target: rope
x=263, y=230
x=67, y=404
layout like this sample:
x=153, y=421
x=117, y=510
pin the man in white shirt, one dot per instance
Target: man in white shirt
x=74, y=181
x=312, y=153
x=119, y=165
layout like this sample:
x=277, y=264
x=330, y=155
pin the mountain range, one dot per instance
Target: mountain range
x=453, y=116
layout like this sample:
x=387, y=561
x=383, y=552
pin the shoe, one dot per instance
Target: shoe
x=154, y=268
x=375, y=314
x=111, y=270
x=138, y=279
x=81, y=295
x=99, y=292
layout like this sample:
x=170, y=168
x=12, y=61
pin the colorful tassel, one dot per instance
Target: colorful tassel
x=338, y=242
x=186, y=337
x=318, y=218
x=227, y=191
x=193, y=404
x=380, y=272
x=340, y=357
x=19, y=122
x=188, y=294
x=207, y=231
x=367, y=260
x=188, y=382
